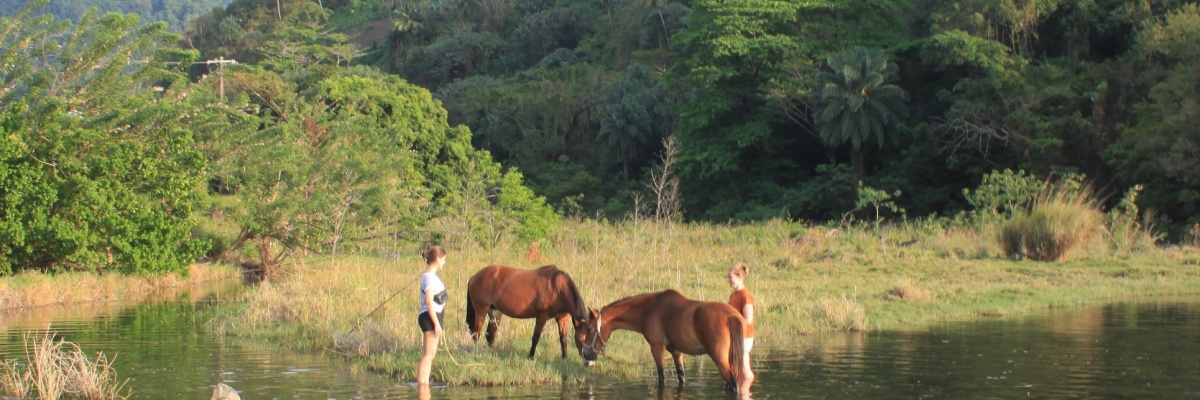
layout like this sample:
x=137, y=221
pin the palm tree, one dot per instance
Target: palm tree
x=857, y=103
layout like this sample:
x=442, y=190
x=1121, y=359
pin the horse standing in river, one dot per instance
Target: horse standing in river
x=671, y=322
x=542, y=293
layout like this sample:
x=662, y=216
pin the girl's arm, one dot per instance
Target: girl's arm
x=748, y=312
x=437, y=325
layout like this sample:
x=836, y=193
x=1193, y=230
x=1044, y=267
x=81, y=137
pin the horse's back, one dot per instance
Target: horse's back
x=692, y=325
x=519, y=293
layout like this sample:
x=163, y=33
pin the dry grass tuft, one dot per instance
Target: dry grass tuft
x=1062, y=220
x=840, y=314
x=1195, y=235
x=905, y=290
x=814, y=242
x=962, y=243
x=59, y=368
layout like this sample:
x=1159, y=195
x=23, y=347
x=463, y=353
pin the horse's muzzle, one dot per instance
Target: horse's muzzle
x=589, y=356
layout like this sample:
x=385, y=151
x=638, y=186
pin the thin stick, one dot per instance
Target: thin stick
x=356, y=325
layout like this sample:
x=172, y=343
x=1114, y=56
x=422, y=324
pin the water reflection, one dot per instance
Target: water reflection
x=1125, y=350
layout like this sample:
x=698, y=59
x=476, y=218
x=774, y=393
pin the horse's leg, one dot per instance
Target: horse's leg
x=476, y=326
x=537, y=334
x=677, y=356
x=720, y=356
x=656, y=351
x=493, y=323
x=562, y=333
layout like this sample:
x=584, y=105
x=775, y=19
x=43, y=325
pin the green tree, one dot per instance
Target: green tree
x=635, y=118
x=857, y=102
x=354, y=156
x=726, y=135
x=97, y=165
x=1162, y=147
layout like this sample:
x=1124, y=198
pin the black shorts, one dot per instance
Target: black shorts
x=427, y=324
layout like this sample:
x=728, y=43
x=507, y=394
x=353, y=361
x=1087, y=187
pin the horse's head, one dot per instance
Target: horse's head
x=581, y=327
x=593, y=338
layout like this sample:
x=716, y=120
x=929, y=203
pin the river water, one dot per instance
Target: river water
x=1130, y=350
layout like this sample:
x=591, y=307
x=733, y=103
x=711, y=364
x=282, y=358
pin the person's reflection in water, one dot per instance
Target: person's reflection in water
x=424, y=392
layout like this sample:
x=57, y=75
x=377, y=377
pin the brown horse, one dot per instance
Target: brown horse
x=542, y=293
x=676, y=324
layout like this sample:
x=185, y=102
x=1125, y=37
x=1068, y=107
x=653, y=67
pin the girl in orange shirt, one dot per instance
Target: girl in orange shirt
x=743, y=301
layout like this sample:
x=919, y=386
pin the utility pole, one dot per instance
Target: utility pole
x=221, y=61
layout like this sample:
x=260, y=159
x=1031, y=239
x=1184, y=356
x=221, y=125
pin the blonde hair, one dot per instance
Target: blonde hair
x=740, y=270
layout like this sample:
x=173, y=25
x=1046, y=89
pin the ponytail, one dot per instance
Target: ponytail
x=432, y=253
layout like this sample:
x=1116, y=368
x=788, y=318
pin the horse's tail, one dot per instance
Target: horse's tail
x=470, y=314
x=737, y=350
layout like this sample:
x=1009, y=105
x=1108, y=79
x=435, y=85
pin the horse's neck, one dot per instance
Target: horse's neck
x=628, y=314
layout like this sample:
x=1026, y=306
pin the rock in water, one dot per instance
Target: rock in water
x=224, y=392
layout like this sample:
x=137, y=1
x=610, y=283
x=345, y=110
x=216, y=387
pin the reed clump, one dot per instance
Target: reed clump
x=839, y=314
x=55, y=369
x=1061, y=220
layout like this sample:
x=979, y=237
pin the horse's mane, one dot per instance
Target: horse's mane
x=551, y=274
x=651, y=294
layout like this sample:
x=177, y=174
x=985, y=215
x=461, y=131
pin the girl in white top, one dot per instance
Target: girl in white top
x=433, y=301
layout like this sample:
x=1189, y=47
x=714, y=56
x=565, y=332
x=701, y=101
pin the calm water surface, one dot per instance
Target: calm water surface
x=1135, y=350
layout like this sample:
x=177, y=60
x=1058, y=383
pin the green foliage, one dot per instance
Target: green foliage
x=175, y=13
x=1002, y=194
x=857, y=103
x=636, y=117
x=353, y=156
x=956, y=48
x=1162, y=148
x=876, y=200
x=98, y=168
x=527, y=212
x=1126, y=228
x=726, y=131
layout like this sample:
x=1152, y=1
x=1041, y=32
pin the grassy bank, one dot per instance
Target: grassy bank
x=806, y=280
x=34, y=289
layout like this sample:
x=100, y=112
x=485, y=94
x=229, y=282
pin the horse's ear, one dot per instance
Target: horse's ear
x=592, y=314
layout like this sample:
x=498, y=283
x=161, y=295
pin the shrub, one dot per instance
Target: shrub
x=1063, y=216
x=1127, y=231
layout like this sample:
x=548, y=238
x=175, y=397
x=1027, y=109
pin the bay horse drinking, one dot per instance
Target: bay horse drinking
x=542, y=293
x=673, y=323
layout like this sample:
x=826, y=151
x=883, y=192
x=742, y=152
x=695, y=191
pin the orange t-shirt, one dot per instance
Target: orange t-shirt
x=739, y=299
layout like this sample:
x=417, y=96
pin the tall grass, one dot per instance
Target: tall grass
x=56, y=369
x=806, y=279
x=1125, y=229
x=1062, y=219
x=840, y=314
x=36, y=289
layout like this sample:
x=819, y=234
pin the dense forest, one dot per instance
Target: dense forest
x=780, y=108
x=382, y=114
x=173, y=12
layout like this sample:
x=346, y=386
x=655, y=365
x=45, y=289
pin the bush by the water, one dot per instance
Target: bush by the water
x=1062, y=219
